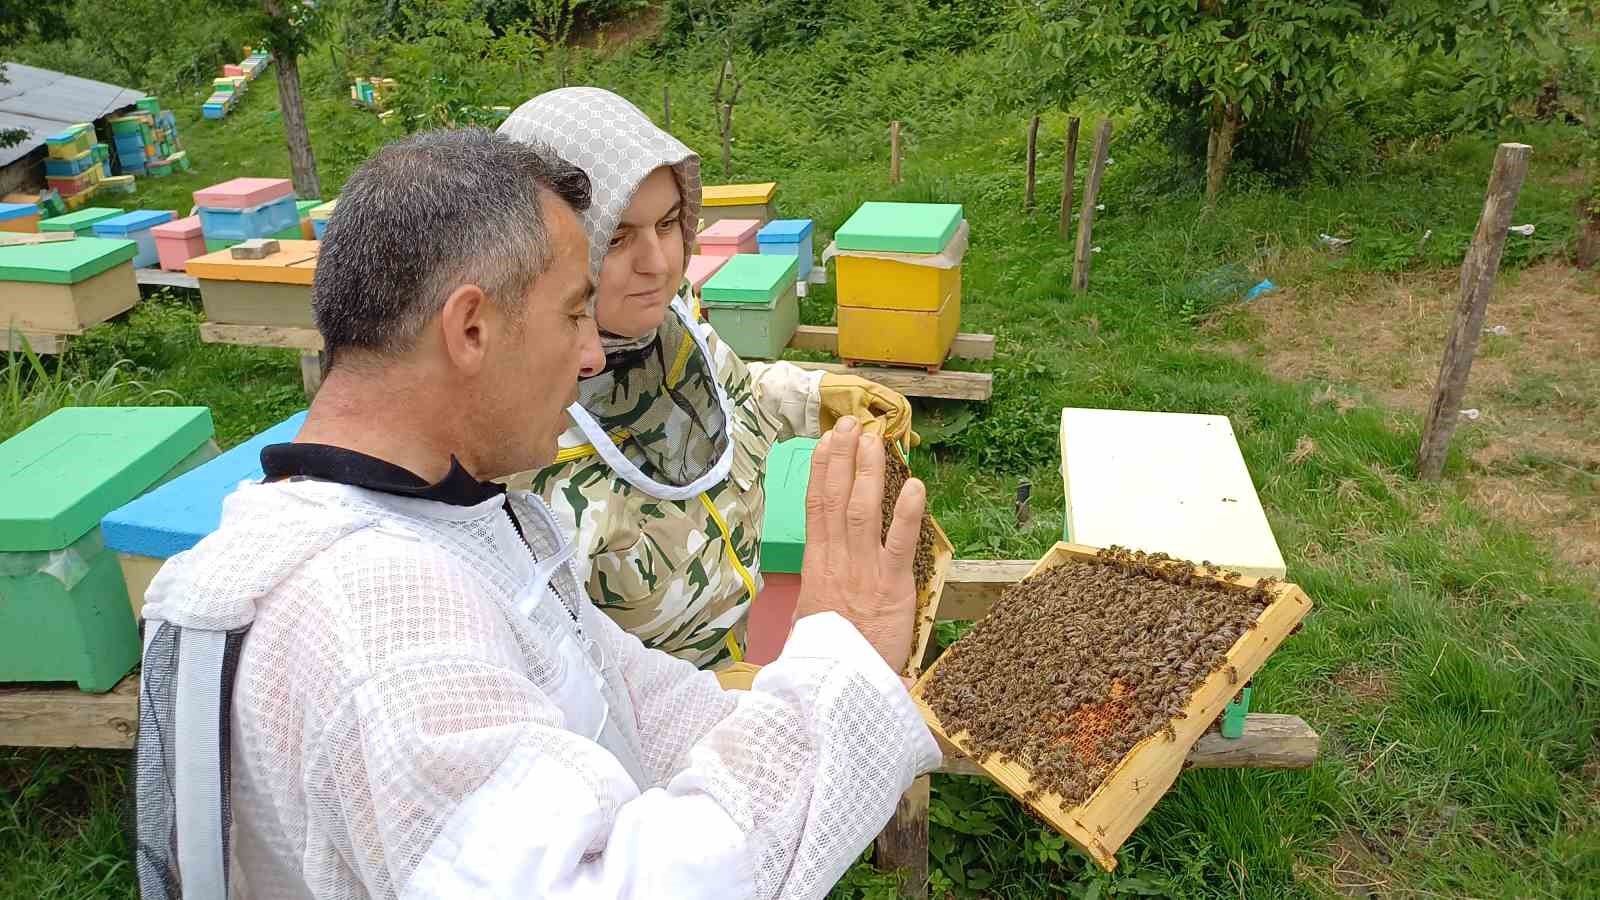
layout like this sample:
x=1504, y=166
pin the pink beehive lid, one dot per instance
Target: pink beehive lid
x=730, y=231
x=183, y=229
x=702, y=267
x=231, y=69
x=243, y=193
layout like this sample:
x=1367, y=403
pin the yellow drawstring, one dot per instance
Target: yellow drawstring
x=733, y=557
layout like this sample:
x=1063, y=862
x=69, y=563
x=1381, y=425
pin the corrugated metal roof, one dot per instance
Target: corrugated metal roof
x=45, y=102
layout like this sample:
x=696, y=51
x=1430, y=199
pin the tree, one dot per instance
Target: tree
x=1239, y=62
x=290, y=27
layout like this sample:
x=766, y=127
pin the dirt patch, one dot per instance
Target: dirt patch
x=1356, y=867
x=1363, y=684
x=1535, y=446
x=1074, y=666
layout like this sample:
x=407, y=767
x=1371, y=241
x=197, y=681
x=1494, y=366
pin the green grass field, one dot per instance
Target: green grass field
x=1452, y=663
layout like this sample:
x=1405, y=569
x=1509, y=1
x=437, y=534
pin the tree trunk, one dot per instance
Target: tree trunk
x=1220, y=146
x=302, y=164
x=1478, y=270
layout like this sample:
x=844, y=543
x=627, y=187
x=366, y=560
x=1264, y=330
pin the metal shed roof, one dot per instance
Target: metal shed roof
x=46, y=102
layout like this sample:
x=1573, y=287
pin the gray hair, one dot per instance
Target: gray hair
x=426, y=215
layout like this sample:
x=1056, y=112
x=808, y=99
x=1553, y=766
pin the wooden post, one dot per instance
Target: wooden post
x=894, y=152
x=727, y=141
x=666, y=107
x=311, y=363
x=1477, y=283
x=1033, y=157
x=903, y=844
x=1069, y=173
x=1091, y=195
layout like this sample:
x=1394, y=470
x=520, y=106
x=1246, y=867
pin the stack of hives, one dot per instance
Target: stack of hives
x=147, y=143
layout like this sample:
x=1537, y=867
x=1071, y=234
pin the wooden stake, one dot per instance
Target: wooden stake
x=311, y=370
x=727, y=141
x=1091, y=194
x=903, y=845
x=666, y=107
x=1477, y=283
x=1069, y=174
x=1033, y=158
x=894, y=152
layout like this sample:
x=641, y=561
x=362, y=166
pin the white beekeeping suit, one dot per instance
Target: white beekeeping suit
x=349, y=693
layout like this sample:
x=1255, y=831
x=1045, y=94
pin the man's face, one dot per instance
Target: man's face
x=644, y=263
x=535, y=378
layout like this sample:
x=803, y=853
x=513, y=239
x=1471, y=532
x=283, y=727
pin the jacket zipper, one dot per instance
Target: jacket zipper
x=517, y=527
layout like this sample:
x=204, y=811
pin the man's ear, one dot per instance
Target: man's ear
x=466, y=324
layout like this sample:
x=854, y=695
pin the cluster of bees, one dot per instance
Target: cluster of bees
x=895, y=474
x=1076, y=665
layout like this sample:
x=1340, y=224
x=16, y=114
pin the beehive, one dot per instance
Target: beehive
x=728, y=237
x=738, y=201
x=320, y=215
x=274, y=290
x=264, y=220
x=788, y=237
x=136, y=226
x=899, y=282
x=179, y=241
x=69, y=144
x=19, y=218
x=63, y=287
x=700, y=269
x=81, y=222
x=175, y=516
x=66, y=615
x=1169, y=482
x=302, y=210
x=1100, y=824
x=752, y=303
x=783, y=544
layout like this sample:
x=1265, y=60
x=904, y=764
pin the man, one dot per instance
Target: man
x=381, y=671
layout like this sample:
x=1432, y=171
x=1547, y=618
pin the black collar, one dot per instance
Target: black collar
x=327, y=463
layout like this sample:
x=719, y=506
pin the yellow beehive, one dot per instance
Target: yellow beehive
x=273, y=290
x=738, y=201
x=899, y=277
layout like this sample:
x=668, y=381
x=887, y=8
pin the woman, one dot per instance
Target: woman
x=660, y=476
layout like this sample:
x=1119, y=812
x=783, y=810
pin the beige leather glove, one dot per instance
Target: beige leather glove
x=737, y=676
x=878, y=409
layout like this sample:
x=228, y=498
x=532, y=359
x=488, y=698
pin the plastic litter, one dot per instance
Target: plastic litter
x=1334, y=243
x=1497, y=331
x=1471, y=415
x=1524, y=230
x=1265, y=286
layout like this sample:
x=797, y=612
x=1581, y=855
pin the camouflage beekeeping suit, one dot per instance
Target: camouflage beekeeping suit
x=669, y=526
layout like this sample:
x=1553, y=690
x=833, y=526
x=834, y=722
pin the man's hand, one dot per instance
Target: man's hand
x=847, y=570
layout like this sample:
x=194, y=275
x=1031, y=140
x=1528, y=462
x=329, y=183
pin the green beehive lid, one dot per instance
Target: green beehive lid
x=302, y=208
x=81, y=221
x=783, y=525
x=64, y=262
x=68, y=470
x=750, y=279
x=900, y=227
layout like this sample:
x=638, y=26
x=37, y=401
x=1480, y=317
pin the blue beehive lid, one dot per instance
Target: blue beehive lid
x=138, y=220
x=17, y=210
x=784, y=231
x=175, y=516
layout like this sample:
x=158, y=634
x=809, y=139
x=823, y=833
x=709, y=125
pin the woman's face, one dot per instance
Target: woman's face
x=644, y=265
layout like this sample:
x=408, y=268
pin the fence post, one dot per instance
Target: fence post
x=1477, y=283
x=1091, y=194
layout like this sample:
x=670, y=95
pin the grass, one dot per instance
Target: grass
x=1452, y=665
